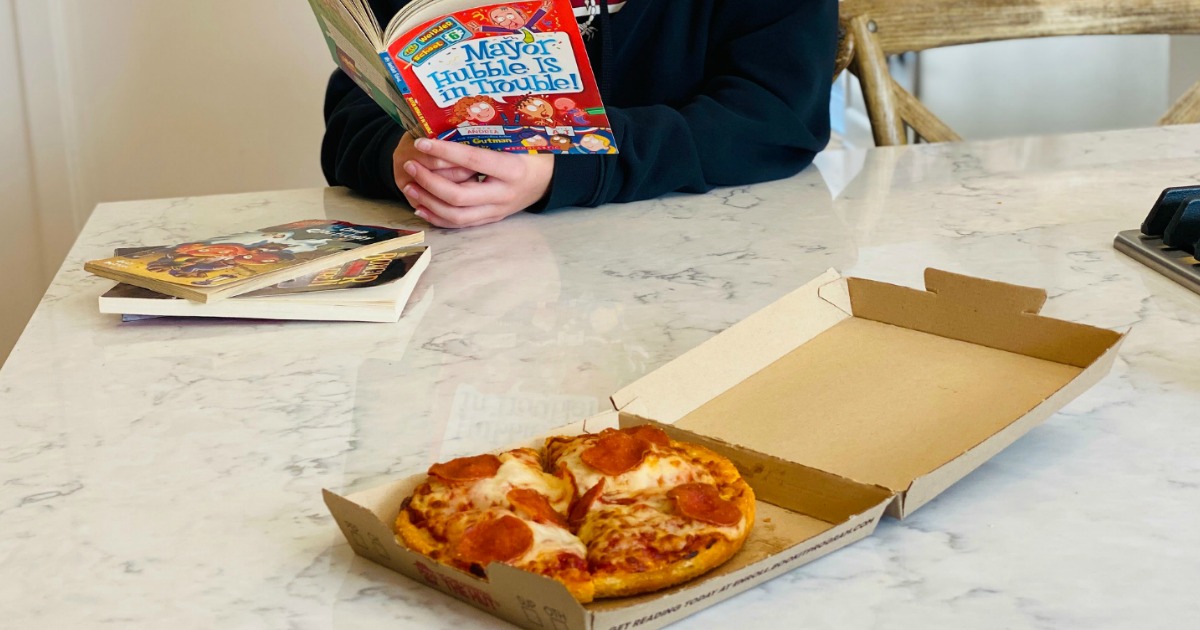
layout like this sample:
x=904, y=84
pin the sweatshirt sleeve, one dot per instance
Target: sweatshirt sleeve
x=359, y=140
x=360, y=137
x=761, y=114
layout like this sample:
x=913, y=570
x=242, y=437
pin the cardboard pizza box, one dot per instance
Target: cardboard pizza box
x=801, y=514
x=842, y=399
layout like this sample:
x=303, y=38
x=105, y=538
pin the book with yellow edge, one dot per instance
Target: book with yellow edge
x=216, y=268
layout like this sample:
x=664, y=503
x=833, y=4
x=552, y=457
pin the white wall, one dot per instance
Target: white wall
x=134, y=99
x=1050, y=85
x=1185, y=65
x=24, y=273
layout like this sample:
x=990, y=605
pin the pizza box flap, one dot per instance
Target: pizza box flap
x=885, y=385
x=365, y=520
x=687, y=382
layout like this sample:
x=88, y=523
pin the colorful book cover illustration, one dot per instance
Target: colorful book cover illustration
x=223, y=260
x=370, y=271
x=508, y=76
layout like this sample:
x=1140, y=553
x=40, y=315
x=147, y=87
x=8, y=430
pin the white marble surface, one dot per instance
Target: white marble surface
x=168, y=474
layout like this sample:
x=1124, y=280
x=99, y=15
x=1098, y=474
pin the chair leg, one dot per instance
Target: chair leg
x=923, y=122
x=1185, y=110
x=870, y=65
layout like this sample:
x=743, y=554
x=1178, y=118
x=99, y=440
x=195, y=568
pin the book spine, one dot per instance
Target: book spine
x=413, y=121
x=395, y=72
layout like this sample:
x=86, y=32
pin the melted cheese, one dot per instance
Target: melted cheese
x=640, y=538
x=634, y=512
x=634, y=526
x=549, y=541
x=518, y=472
x=615, y=529
x=660, y=471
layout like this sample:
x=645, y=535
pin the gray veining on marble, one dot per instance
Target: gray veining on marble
x=167, y=473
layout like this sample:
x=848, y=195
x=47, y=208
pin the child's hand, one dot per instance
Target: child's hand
x=405, y=151
x=511, y=183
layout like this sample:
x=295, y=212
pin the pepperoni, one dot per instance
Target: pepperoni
x=616, y=452
x=580, y=509
x=703, y=502
x=495, y=539
x=535, y=506
x=467, y=468
x=654, y=435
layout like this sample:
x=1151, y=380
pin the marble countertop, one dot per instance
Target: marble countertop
x=167, y=473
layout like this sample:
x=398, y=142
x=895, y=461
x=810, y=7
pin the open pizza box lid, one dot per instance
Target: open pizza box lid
x=842, y=399
x=885, y=385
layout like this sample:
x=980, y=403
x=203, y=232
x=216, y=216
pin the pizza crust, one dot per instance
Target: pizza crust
x=415, y=538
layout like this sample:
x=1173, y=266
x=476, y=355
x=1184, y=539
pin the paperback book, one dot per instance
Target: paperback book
x=508, y=76
x=224, y=266
x=370, y=289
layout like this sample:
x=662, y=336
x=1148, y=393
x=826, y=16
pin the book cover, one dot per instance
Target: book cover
x=370, y=271
x=508, y=76
x=222, y=266
x=374, y=288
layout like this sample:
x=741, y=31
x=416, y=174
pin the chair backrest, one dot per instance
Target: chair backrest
x=881, y=28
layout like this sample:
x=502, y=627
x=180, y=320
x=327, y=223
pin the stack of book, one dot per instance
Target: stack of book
x=309, y=270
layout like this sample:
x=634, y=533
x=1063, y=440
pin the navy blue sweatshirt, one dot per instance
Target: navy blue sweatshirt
x=700, y=93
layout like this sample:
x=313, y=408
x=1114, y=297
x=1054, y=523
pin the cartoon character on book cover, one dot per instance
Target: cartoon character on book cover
x=203, y=260
x=224, y=259
x=477, y=110
x=509, y=76
x=595, y=143
x=510, y=19
x=370, y=271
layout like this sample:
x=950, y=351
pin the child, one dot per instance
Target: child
x=700, y=93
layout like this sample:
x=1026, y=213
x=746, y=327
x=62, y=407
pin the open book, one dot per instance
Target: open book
x=370, y=289
x=215, y=268
x=508, y=76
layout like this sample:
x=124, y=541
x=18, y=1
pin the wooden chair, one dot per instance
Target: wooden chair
x=881, y=28
x=845, y=49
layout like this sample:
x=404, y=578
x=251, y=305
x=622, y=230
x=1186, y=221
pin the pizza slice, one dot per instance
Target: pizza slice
x=653, y=512
x=472, y=511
